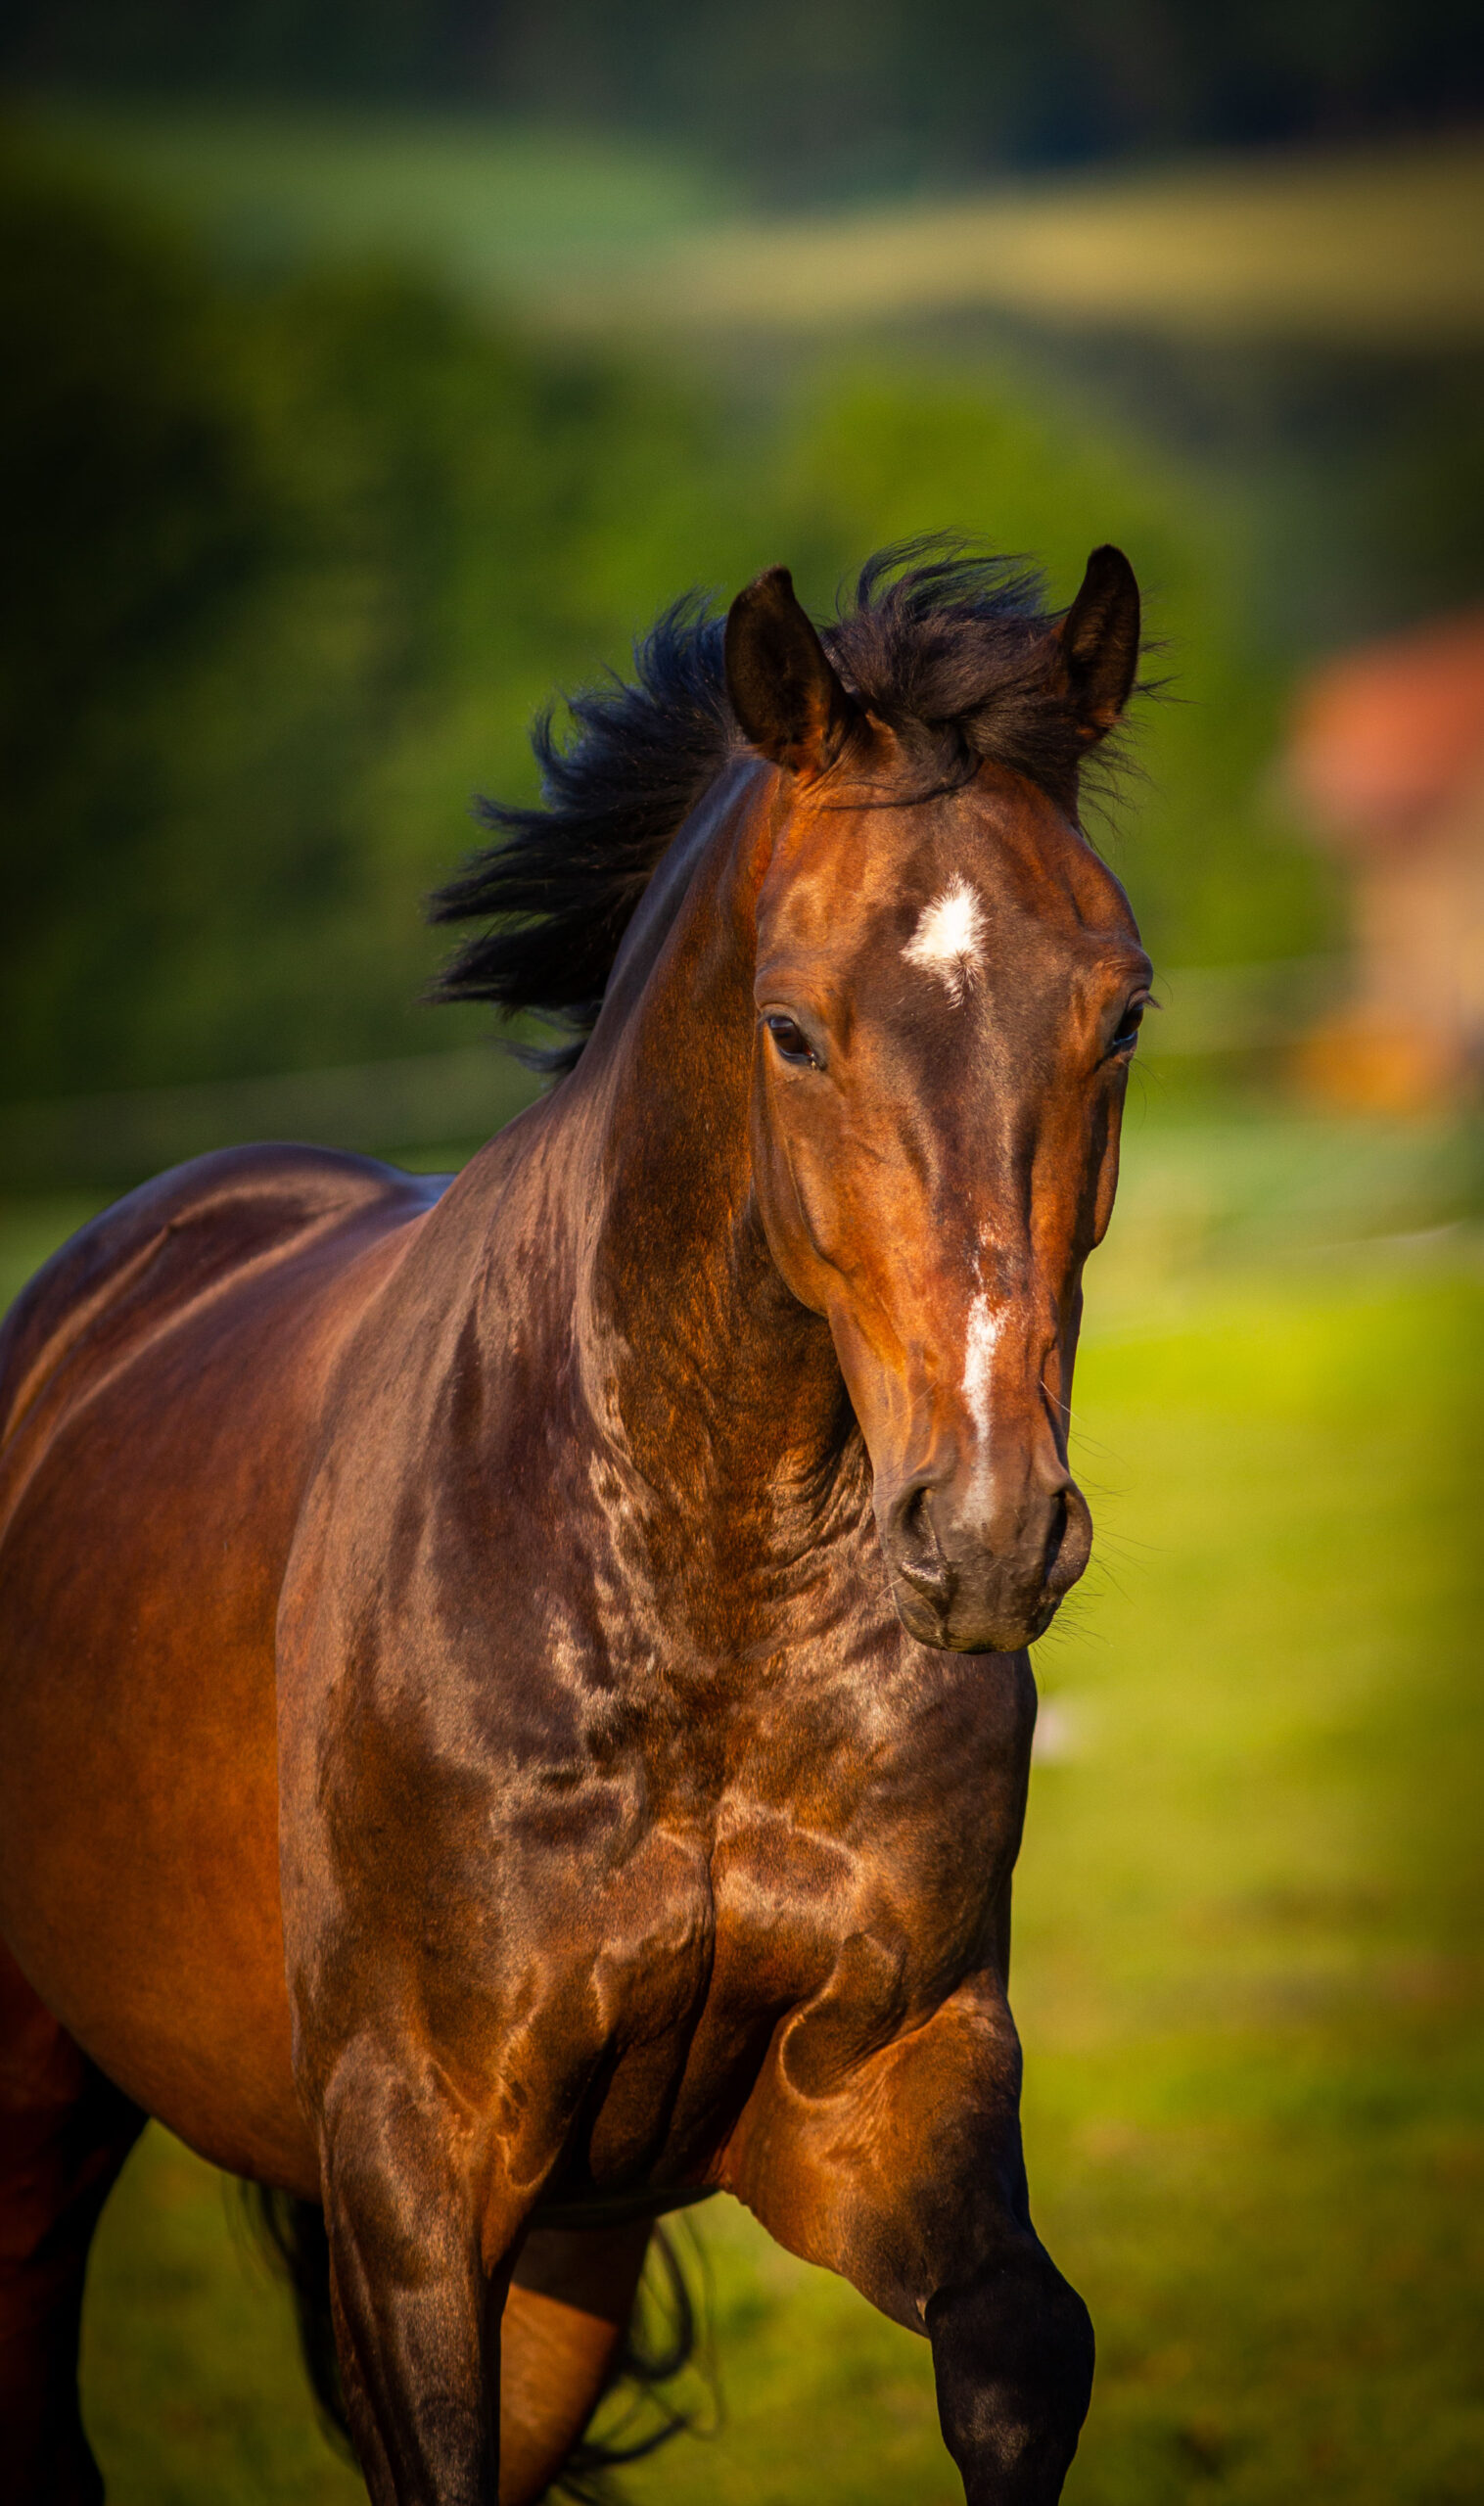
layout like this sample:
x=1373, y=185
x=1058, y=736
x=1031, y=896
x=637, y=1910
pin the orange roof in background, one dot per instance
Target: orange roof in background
x=1384, y=737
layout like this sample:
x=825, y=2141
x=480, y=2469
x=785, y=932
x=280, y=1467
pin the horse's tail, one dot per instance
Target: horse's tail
x=293, y=2233
x=663, y=2341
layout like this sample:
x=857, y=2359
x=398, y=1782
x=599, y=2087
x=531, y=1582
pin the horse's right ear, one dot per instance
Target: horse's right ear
x=782, y=684
x=1099, y=642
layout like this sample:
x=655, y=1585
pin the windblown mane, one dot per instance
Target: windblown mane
x=947, y=644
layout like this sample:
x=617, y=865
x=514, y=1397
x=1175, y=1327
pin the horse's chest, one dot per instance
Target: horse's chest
x=842, y=1897
x=865, y=1880
x=874, y=1919
x=777, y=1925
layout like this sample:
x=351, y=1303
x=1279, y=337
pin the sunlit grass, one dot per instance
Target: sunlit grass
x=193, y=2390
x=1249, y=1973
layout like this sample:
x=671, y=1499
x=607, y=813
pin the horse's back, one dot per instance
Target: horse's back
x=164, y=1384
x=188, y=1235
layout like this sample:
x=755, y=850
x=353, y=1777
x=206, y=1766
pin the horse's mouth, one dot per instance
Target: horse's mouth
x=952, y=1629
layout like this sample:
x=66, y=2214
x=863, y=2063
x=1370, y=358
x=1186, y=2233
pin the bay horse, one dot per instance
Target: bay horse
x=515, y=1708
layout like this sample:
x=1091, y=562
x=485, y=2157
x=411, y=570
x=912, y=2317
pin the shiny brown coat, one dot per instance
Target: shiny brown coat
x=514, y=1708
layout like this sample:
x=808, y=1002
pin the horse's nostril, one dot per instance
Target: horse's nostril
x=1069, y=1540
x=918, y=1554
x=916, y=1522
x=1057, y=1531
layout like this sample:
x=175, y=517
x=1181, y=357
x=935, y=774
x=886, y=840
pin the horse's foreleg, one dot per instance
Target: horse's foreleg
x=429, y=2353
x=415, y=2289
x=419, y=2269
x=571, y=2298
x=65, y=2132
x=907, y=2177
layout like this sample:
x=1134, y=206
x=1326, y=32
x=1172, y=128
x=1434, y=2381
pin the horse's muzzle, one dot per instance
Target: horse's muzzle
x=983, y=1571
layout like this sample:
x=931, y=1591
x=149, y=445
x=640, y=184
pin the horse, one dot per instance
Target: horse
x=516, y=1705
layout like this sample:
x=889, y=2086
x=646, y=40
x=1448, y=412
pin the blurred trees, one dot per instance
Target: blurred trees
x=290, y=572
x=293, y=566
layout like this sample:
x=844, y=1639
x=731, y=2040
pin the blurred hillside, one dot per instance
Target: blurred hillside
x=344, y=435
x=298, y=555
x=1300, y=332
x=1375, y=244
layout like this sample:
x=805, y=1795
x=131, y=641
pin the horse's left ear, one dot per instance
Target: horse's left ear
x=1099, y=642
x=781, y=682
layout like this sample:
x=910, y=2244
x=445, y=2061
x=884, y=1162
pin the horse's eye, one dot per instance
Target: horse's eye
x=1127, y=1034
x=791, y=1040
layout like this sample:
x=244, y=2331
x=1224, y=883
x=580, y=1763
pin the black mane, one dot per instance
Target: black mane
x=947, y=644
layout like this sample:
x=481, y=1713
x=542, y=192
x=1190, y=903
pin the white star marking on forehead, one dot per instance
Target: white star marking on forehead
x=949, y=938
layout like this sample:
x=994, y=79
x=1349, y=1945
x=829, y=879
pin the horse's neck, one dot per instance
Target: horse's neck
x=721, y=1395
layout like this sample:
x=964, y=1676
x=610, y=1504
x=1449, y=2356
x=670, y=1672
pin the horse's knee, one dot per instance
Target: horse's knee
x=1012, y=2353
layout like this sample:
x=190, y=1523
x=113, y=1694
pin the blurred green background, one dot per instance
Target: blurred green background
x=374, y=375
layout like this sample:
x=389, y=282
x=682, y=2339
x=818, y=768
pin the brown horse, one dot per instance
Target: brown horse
x=515, y=1702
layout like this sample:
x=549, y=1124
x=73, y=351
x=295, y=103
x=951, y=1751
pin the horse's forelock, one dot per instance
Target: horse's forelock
x=939, y=637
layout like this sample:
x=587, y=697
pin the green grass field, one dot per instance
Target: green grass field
x=1248, y=1922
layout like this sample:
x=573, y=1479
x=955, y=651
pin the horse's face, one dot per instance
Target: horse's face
x=948, y=992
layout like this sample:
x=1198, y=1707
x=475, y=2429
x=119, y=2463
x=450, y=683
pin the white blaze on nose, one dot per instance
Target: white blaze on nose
x=978, y=1350
x=949, y=938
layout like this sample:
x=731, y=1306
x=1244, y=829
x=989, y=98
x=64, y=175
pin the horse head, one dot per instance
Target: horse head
x=949, y=988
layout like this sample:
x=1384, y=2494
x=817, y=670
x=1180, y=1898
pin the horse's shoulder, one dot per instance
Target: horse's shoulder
x=187, y=1234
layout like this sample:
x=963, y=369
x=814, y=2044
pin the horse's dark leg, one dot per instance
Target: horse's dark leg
x=1012, y=2356
x=907, y=2177
x=428, y=2311
x=417, y=2283
x=65, y=2132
